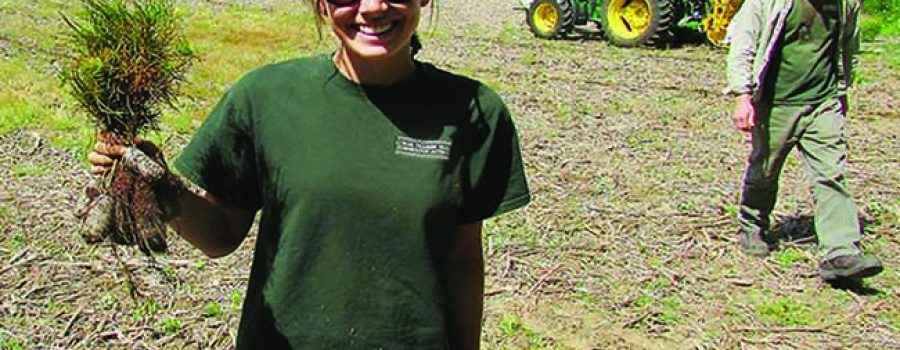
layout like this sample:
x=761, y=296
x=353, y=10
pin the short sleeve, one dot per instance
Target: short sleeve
x=221, y=156
x=495, y=180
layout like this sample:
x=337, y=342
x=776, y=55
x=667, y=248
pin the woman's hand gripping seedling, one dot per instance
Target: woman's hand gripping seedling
x=145, y=162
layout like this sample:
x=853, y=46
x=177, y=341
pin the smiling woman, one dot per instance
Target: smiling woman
x=376, y=37
x=372, y=172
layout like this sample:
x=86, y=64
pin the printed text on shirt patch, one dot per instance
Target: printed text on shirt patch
x=432, y=149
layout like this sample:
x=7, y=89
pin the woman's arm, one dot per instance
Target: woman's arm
x=207, y=223
x=461, y=270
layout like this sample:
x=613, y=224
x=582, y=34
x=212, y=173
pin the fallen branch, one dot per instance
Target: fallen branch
x=741, y=282
x=18, y=256
x=40, y=288
x=543, y=279
x=71, y=322
x=779, y=329
x=634, y=322
x=498, y=291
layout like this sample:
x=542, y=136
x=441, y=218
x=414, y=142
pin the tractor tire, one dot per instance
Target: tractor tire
x=551, y=18
x=630, y=23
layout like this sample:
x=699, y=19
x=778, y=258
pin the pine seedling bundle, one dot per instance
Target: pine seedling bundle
x=125, y=60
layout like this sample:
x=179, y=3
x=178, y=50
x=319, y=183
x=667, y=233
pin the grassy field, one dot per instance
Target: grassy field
x=629, y=242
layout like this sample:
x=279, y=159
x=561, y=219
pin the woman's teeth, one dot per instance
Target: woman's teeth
x=375, y=30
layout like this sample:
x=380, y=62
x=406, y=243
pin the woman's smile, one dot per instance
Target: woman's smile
x=376, y=29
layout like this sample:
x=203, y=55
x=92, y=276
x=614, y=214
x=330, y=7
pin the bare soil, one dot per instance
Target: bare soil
x=628, y=244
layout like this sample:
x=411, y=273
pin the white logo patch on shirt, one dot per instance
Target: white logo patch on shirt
x=432, y=149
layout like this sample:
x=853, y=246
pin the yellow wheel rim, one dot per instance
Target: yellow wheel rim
x=545, y=18
x=715, y=24
x=628, y=19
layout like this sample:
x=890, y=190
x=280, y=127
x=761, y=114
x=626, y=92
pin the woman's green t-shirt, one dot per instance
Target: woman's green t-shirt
x=358, y=186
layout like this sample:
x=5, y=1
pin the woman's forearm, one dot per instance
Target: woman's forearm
x=461, y=270
x=210, y=225
x=465, y=302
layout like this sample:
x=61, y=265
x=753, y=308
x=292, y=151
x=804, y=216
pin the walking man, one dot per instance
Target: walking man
x=789, y=67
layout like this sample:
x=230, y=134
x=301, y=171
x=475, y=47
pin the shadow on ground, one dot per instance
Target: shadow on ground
x=800, y=229
x=681, y=38
x=855, y=286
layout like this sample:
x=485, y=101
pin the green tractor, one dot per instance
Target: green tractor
x=630, y=23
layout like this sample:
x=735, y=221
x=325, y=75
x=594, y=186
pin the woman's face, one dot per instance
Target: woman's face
x=375, y=29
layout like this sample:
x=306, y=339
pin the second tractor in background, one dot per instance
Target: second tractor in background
x=628, y=23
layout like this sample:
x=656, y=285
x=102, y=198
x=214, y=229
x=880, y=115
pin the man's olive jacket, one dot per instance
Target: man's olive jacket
x=754, y=35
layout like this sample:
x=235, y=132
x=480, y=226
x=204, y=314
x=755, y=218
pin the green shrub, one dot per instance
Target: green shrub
x=882, y=18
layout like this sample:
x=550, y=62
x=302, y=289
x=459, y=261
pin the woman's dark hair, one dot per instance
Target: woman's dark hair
x=415, y=44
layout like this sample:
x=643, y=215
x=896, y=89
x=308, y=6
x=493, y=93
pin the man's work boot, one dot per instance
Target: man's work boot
x=753, y=243
x=855, y=266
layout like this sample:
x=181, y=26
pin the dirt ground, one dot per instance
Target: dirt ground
x=628, y=243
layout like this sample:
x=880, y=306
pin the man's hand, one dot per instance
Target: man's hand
x=744, y=115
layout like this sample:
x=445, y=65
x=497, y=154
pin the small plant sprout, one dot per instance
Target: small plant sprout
x=212, y=309
x=171, y=326
x=124, y=63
